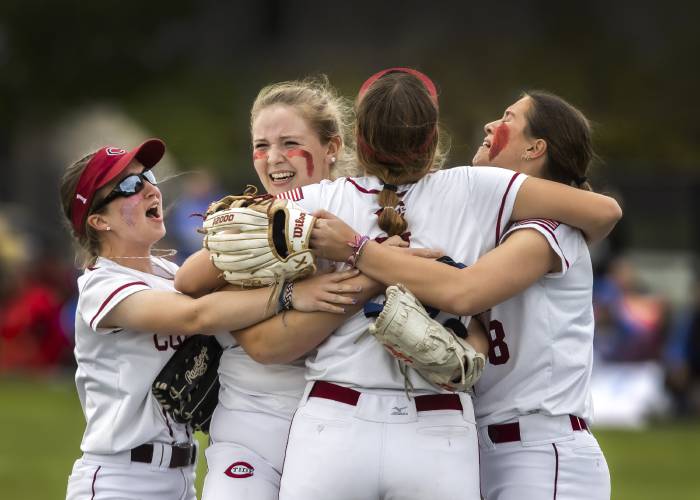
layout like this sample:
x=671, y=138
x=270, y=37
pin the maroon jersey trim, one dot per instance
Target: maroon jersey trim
x=111, y=295
x=503, y=206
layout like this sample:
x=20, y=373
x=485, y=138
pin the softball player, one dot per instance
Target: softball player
x=129, y=321
x=298, y=131
x=534, y=402
x=344, y=437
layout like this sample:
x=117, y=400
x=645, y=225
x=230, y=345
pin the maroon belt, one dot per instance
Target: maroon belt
x=182, y=455
x=507, y=433
x=429, y=402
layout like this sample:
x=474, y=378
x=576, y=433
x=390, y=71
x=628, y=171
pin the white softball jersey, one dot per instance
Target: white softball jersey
x=541, y=341
x=250, y=386
x=117, y=366
x=461, y=211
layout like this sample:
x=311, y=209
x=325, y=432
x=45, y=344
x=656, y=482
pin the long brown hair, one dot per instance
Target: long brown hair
x=398, y=137
x=568, y=135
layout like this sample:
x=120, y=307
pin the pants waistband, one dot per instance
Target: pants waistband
x=507, y=433
x=429, y=402
x=181, y=455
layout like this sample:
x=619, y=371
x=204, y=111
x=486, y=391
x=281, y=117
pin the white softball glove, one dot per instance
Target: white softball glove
x=259, y=240
x=418, y=341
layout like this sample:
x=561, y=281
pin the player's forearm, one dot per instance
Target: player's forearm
x=595, y=214
x=231, y=310
x=434, y=283
x=289, y=336
x=197, y=275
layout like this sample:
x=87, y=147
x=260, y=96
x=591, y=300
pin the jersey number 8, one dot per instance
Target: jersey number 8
x=498, y=349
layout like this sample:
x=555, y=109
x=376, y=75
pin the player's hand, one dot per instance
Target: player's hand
x=331, y=238
x=397, y=244
x=325, y=292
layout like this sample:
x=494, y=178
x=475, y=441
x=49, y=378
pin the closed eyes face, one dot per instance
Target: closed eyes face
x=287, y=152
x=506, y=141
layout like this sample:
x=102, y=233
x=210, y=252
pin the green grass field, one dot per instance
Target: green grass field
x=43, y=425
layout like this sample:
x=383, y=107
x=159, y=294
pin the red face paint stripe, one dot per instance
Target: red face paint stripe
x=500, y=140
x=304, y=154
x=259, y=155
x=104, y=304
x=503, y=204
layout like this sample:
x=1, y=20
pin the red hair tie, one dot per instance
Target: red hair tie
x=427, y=82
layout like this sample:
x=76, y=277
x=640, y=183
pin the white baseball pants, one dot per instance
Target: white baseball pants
x=382, y=447
x=244, y=459
x=550, y=461
x=100, y=478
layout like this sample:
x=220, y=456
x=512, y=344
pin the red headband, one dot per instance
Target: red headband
x=105, y=165
x=427, y=82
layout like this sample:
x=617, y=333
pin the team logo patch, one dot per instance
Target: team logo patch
x=240, y=470
x=115, y=151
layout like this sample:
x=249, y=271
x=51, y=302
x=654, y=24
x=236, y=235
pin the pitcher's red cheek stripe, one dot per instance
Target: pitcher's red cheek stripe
x=304, y=154
x=259, y=155
x=500, y=140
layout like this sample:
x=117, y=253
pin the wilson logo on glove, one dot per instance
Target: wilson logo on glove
x=299, y=225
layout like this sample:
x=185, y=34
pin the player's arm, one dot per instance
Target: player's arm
x=523, y=258
x=498, y=275
x=595, y=214
x=477, y=336
x=290, y=335
x=171, y=313
x=230, y=308
x=198, y=276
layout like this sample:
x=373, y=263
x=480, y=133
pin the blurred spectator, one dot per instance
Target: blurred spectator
x=682, y=358
x=197, y=193
x=32, y=294
x=630, y=320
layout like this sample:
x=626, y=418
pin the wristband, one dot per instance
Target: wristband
x=357, y=245
x=285, y=298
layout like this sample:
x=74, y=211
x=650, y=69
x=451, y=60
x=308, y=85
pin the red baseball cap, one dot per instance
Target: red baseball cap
x=107, y=163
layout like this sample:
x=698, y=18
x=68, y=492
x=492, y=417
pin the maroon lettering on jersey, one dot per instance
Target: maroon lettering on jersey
x=161, y=344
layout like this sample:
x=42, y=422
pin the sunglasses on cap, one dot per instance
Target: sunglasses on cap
x=129, y=186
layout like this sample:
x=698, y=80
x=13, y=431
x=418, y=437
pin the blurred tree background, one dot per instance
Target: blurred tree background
x=188, y=71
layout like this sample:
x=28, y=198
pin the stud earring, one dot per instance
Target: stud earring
x=332, y=160
x=109, y=228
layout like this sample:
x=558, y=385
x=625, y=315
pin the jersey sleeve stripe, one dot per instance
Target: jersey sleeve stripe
x=548, y=222
x=547, y=228
x=503, y=205
x=111, y=295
